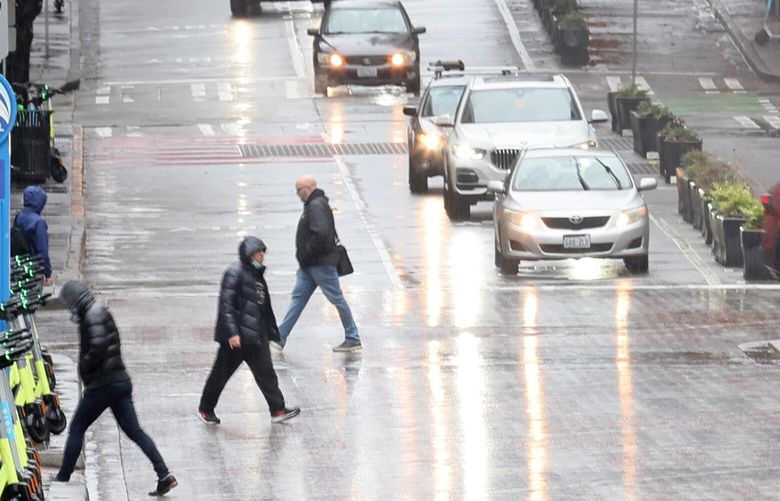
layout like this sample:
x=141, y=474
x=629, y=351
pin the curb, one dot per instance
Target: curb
x=744, y=45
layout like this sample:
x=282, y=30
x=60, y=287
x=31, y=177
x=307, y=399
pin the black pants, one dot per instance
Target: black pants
x=258, y=358
x=119, y=397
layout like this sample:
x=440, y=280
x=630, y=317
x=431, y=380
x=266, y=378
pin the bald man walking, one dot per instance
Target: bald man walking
x=315, y=249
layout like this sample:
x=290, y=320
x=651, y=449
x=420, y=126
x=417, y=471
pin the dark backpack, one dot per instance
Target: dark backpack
x=19, y=245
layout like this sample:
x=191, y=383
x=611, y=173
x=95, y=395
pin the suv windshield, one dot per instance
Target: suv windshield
x=519, y=105
x=365, y=21
x=442, y=101
x=571, y=173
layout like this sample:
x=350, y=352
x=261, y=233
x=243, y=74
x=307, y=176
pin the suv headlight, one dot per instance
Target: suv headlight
x=525, y=220
x=330, y=58
x=630, y=216
x=402, y=58
x=587, y=145
x=463, y=152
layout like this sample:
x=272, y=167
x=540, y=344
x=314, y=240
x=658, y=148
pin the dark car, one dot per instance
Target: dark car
x=366, y=43
x=241, y=7
x=771, y=240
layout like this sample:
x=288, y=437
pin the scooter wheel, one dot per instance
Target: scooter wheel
x=56, y=420
x=37, y=428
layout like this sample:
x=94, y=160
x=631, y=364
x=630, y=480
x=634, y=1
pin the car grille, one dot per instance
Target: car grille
x=504, y=158
x=367, y=60
x=563, y=223
x=559, y=249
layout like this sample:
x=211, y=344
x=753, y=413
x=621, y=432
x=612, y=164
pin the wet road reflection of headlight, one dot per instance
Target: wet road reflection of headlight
x=464, y=152
x=526, y=221
x=430, y=141
x=630, y=216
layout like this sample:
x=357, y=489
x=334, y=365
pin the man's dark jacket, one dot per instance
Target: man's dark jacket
x=315, y=240
x=244, y=301
x=100, y=356
x=34, y=227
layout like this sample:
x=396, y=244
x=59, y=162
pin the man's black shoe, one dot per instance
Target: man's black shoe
x=164, y=485
x=348, y=346
x=285, y=414
x=208, y=417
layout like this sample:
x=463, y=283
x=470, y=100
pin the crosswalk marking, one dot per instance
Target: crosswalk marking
x=103, y=96
x=733, y=84
x=615, y=83
x=231, y=129
x=225, y=91
x=747, y=123
x=206, y=129
x=198, y=92
x=103, y=131
x=127, y=99
x=642, y=84
x=708, y=85
x=773, y=121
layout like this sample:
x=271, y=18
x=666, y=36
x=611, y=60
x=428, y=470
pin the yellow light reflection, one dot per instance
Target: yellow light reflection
x=470, y=381
x=336, y=123
x=433, y=229
x=467, y=278
x=534, y=396
x=626, y=393
x=241, y=37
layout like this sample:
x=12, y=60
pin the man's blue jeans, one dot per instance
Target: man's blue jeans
x=306, y=281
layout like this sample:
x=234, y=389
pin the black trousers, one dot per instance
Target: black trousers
x=119, y=398
x=258, y=358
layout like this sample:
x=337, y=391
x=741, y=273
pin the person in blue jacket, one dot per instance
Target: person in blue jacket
x=34, y=226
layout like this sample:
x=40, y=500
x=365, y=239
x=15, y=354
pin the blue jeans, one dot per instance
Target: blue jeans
x=306, y=281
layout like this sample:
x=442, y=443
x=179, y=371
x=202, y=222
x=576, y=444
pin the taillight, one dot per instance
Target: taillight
x=766, y=200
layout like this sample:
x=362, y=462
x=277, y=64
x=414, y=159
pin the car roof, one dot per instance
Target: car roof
x=519, y=80
x=450, y=80
x=363, y=4
x=575, y=152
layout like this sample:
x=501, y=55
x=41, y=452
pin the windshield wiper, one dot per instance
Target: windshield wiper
x=579, y=176
x=611, y=173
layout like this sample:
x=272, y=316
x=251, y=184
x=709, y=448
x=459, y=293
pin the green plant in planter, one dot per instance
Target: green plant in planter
x=677, y=131
x=573, y=20
x=632, y=91
x=734, y=199
x=755, y=216
x=706, y=171
x=561, y=7
x=650, y=109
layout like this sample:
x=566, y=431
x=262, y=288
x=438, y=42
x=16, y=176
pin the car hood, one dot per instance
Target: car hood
x=368, y=44
x=564, y=203
x=527, y=135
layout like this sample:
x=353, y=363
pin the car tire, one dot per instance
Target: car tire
x=321, y=84
x=239, y=8
x=505, y=265
x=456, y=207
x=418, y=181
x=637, y=264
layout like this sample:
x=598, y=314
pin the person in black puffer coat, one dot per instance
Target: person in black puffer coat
x=106, y=382
x=245, y=323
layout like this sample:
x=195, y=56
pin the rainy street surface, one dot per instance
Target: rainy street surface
x=571, y=380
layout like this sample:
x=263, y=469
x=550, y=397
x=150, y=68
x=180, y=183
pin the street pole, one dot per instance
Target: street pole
x=633, y=62
x=46, y=22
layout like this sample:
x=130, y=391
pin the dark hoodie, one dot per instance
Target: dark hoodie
x=100, y=356
x=34, y=227
x=244, y=301
x=315, y=239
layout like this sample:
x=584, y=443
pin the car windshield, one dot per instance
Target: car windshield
x=442, y=101
x=366, y=21
x=571, y=173
x=519, y=105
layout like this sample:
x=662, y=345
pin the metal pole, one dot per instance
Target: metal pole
x=46, y=22
x=633, y=62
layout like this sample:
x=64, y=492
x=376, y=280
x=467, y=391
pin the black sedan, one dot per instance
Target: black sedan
x=366, y=43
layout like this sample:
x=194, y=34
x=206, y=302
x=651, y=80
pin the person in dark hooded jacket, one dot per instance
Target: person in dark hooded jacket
x=245, y=323
x=106, y=384
x=34, y=226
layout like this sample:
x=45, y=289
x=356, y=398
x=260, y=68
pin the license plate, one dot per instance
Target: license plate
x=366, y=72
x=576, y=242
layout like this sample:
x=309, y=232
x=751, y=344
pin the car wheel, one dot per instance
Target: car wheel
x=456, y=207
x=239, y=8
x=321, y=84
x=505, y=265
x=637, y=264
x=418, y=181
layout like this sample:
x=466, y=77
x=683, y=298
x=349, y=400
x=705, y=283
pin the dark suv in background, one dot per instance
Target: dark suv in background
x=771, y=242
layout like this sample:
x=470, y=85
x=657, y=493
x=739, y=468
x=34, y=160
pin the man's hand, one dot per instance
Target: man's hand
x=234, y=342
x=48, y=281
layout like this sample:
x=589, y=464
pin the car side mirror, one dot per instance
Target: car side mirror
x=496, y=187
x=648, y=183
x=314, y=32
x=444, y=121
x=598, y=117
x=410, y=111
x=418, y=30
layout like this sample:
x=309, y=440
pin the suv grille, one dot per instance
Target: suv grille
x=366, y=60
x=504, y=158
x=563, y=223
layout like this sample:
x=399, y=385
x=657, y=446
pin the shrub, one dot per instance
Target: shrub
x=573, y=19
x=650, y=109
x=734, y=199
x=562, y=7
x=632, y=91
x=706, y=171
x=677, y=131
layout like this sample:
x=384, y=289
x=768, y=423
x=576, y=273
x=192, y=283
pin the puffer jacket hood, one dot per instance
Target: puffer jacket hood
x=76, y=296
x=249, y=246
x=35, y=198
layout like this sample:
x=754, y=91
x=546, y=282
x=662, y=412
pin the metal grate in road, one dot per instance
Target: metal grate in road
x=314, y=150
x=617, y=143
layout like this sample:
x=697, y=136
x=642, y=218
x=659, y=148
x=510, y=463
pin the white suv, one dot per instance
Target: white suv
x=498, y=117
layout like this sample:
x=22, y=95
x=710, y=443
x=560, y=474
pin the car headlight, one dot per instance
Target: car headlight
x=587, y=145
x=525, y=220
x=402, y=58
x=332, y=58
x=430, y=141
x=463, y=152
x=630, y=216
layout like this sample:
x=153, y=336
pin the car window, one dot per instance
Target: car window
x=571, y=173
x=519, y=105
x=366, y=21
x=442, y=101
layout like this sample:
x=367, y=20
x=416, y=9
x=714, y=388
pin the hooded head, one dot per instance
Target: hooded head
x=248, y=247
x=76, y=296
x=34, y=198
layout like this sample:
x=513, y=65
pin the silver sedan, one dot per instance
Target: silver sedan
x=570, y=203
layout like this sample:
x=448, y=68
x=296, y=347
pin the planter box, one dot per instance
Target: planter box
x=572, y=45
x=613, y=112
x=728, y=241
x=753, y=255
x=696, y=213
x=625, y=105
x=707, y=217
x=671, y=153
x=684, y=196
x=660, y=123
x=645, y=130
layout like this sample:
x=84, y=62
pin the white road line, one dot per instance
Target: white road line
x=103, y=91
x=198, y=91
x=103, y=96
x=127, y=99
x=102, y=99
x=773, y=120
x=104, y=131
x=360, y=205
x=615, y=83
x=231, y=129
x=709, y=276
x=707, y=83
x=206, y=129
x=514, y=35
x=642, y=84
x=225, y=91
x=291, y=88
x=747, y=123
x=295, y=49
x=733, y=84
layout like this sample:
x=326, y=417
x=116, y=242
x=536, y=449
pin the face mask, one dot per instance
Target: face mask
x=256, y=265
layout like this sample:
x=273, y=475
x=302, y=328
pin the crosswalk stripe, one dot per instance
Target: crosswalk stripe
x=206, y=129
x=231, y=129
x=642, y=84
x=104, y=131
x=773, y=120
x=102, y=91
x=102, y=99
x=225, y=91
x=733, y=84
x=615, y=84
x=747, y=123
x=707, y=84
x=198, y=91
x=127, y=99
x=103, y=96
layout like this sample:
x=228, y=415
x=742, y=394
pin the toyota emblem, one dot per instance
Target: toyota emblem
x=575, y=219
x=366, y=61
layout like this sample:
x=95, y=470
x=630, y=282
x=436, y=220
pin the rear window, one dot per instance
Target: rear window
x=365, y=21
x=519, y=105
x=442, y=101
x=571, y=173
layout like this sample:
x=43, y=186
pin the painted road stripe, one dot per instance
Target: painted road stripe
x=514, y=35
x=295, y=49
x=747, y=123
x=102, y=100
x=127, y=99
x=206, y=129
x=773, y=120
x=103, y=131
x=231, y=129
x=733, y=84
x=198, y=91
x=615, y=83
x=642, y=84
x=103, y=96
x=707, y=84
x=225, y=91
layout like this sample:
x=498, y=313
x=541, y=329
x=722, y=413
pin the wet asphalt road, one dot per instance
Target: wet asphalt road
x=572, y=380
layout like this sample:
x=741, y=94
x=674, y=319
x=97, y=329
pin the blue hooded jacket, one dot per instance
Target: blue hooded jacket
x=34, y=227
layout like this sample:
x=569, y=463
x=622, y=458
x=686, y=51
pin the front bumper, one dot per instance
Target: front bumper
x=471, y=177
x=546, y=243
x=386, y=74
